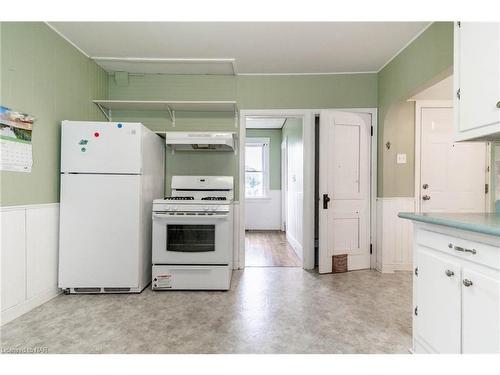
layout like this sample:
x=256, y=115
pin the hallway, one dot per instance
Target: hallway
x=269, y=248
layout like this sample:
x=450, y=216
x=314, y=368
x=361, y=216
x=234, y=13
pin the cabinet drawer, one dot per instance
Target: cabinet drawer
x=465, y=249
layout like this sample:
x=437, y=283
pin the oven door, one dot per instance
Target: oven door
x=192, y=239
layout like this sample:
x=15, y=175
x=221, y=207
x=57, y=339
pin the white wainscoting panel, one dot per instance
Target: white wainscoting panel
x=264, y=214
x=394, y=235
x=13, y=258
x=236, y=235
x=294, y=223
x=30, y=236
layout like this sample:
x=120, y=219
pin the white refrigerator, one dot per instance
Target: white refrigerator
x=110, y=174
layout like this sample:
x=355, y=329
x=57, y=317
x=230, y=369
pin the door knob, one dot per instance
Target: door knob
x=425, y=186
x=467, y=282
x=498, y=104
x=426, y=197
x=449, y=273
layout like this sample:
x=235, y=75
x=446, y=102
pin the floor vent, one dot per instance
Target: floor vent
x=87, y=290
x=117, y=290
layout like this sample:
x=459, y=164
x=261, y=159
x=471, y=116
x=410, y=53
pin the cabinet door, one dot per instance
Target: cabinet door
x=477, y=66
x=480, y=313
x=438, y=302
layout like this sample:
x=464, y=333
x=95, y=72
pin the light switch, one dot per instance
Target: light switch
x=401, y=158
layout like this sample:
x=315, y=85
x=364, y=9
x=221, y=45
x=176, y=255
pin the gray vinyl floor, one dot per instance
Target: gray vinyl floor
x=267, y=310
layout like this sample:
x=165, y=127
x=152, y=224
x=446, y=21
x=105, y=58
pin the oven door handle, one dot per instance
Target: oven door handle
x=189, y=217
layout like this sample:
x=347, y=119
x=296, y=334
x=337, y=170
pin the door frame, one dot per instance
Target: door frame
x=284, y=182
x=373, y=177
x=308, y=126
x=419, y=106
x=307, y=116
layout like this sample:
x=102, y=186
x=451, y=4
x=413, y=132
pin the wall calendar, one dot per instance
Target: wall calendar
x=15, y=140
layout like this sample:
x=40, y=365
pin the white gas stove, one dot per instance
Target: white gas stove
x=193, y=234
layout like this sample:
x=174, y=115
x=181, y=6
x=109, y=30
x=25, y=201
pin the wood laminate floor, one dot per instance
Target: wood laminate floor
x=269, y=248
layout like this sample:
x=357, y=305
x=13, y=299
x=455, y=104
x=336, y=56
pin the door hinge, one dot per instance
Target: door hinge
x=371, y=131
x=371, y=249
x=458, y=94
x=486, y=188
x=416, y=271
x=459, y=24
x=416, y=310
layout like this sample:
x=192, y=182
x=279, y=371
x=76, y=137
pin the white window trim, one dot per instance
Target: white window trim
x=266, y=142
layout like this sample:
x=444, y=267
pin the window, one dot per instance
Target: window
x=257, y=168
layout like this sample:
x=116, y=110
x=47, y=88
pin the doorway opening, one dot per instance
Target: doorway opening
x=273, y=178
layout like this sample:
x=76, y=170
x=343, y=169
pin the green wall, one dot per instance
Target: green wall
x=250, y=92
x=427, y=60
x=307, y=91
x=43, y=75
x=274, y=136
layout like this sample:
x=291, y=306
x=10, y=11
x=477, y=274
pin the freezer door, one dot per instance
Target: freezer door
x=99, y=231
x=100, y=147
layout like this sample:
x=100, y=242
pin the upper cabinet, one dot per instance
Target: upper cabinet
x=477, y=80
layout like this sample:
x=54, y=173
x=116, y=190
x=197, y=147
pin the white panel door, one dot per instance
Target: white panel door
x=100, y=147
x=438, y=296
x=344, y=226
x=478, y=69
x=480, y=313
x=453, y=174
x=99, y=231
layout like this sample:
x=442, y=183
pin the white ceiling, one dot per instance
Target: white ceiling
x=258, y=48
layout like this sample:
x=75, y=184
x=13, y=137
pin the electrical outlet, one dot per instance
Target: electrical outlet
x=401, y=158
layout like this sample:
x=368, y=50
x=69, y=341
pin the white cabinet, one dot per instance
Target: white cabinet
x=480, y=313
x=477, y=80
x=456, y=292
x=438, y=308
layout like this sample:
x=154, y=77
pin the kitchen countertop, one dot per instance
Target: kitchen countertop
x=485, y=223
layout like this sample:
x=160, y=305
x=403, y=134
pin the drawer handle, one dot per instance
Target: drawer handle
x=449, y=273
x=467, y=283
x=462, y=249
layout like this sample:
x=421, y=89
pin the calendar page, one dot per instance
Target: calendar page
x=15, y=140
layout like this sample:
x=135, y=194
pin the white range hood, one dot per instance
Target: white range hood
x=200, y=141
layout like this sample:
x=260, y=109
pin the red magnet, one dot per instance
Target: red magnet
x=96, y=134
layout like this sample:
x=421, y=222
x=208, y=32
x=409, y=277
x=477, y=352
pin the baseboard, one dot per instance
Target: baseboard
x=263, y=228
x=16, y=311
x=296, y=246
